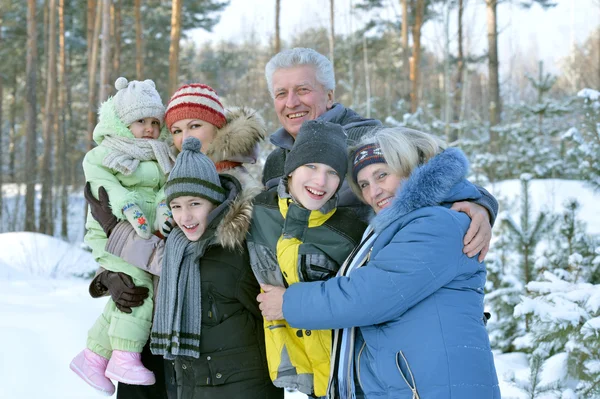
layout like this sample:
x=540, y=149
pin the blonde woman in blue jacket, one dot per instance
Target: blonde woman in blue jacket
x=407, y=305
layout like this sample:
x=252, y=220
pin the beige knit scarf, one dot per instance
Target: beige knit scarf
x=127, y=153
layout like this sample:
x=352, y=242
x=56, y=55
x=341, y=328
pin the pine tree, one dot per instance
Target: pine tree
x=533, y=387
x=529, y=141
x=503, y=290
x=511, y=269
x=585, y=138
x=566, y=319
x=528, y=233
x=565, y=310
x=570, y=248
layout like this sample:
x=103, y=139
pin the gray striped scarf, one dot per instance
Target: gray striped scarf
x=127, y=153
x=341, y=375
x=177, y=317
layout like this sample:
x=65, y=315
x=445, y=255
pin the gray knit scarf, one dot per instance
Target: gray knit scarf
x=177, y=317
x=127, y=153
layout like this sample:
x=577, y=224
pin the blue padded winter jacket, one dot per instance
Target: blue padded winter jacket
x=418, y=302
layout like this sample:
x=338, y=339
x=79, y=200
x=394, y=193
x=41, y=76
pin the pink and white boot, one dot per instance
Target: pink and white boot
x=127, y=367
x=91, y=367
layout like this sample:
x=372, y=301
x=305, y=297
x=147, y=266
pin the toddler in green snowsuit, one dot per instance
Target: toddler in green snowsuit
x=132, y=164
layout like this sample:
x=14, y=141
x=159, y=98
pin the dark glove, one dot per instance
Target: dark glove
x=100, y=208
x=122, y=290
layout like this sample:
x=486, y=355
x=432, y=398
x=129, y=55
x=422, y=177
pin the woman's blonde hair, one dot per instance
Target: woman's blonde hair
x=403, y=149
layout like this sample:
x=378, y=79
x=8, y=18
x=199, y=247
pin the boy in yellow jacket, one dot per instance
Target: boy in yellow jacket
x=299, y=234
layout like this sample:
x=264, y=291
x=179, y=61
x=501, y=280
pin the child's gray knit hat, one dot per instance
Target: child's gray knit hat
x=136, y=100
x=319, y=142
x=194, y=175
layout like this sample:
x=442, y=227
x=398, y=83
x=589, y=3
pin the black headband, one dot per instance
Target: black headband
x=364, y=156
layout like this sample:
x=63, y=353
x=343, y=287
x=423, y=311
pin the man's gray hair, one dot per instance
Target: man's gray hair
x=301, y=56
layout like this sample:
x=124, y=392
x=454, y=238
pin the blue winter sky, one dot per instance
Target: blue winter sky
x=535, y=32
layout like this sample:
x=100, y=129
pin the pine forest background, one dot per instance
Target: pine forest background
x=60, y=59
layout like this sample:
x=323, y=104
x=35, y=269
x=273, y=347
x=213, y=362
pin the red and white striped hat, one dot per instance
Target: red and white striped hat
x=195, y=101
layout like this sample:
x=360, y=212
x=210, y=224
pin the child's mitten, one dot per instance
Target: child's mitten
x=164, y=219
x=138, y=220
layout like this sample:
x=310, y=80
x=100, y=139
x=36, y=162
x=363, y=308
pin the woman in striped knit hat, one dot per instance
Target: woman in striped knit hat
x=229, y=137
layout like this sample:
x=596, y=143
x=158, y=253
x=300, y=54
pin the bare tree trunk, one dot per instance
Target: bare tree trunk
x=63, y=149
x=41, y=72
x=91, y=17
x=46, y=224
x=448, y=102
x=105, y=53
x=53, y=208
x=277, y=46
x=465, y=97
x=174, y=47
x=92, y=86
x=12, y=145
x=1, y=134
x=139, y=51
x=331, y=32
x=405, y=48
x=116, y=39
x=460, y=65
x=30, y=117
x=494, y=83
x=350, y=60
x=416, y=56
x=72, y=134
x=367, y=80
x=598, y=50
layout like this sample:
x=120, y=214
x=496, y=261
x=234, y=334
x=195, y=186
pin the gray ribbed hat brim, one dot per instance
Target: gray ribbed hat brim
x=194, y=187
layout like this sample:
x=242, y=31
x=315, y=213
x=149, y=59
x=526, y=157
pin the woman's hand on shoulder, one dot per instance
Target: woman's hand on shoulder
x=478, y=237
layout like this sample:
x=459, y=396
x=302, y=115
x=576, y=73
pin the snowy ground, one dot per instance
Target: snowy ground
x=45, y=311
x=43, y=325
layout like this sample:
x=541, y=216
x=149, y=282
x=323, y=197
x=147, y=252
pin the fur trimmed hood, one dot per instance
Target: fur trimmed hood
x=238, y=140
x=232, y=217
x=441, y=180
x=109, y=124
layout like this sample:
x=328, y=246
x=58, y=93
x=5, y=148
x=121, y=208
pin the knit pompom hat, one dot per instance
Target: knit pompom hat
x=137, y=100
x=319, y=142
x=194, y=174
x=195, y=101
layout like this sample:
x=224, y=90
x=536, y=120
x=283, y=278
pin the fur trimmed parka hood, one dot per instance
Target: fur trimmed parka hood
x=440, y=180
x=238, y=140
x=110, y=124
x=231, y=219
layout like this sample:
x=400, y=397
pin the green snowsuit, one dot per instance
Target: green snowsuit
x=144, y=187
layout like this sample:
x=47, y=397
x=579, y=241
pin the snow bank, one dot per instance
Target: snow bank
x=38, y=255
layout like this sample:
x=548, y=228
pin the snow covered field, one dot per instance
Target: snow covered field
x=45, y=310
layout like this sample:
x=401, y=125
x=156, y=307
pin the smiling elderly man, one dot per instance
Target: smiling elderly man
x=302, y=83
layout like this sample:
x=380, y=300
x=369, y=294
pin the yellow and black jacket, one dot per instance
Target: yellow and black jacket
x=288, y=244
